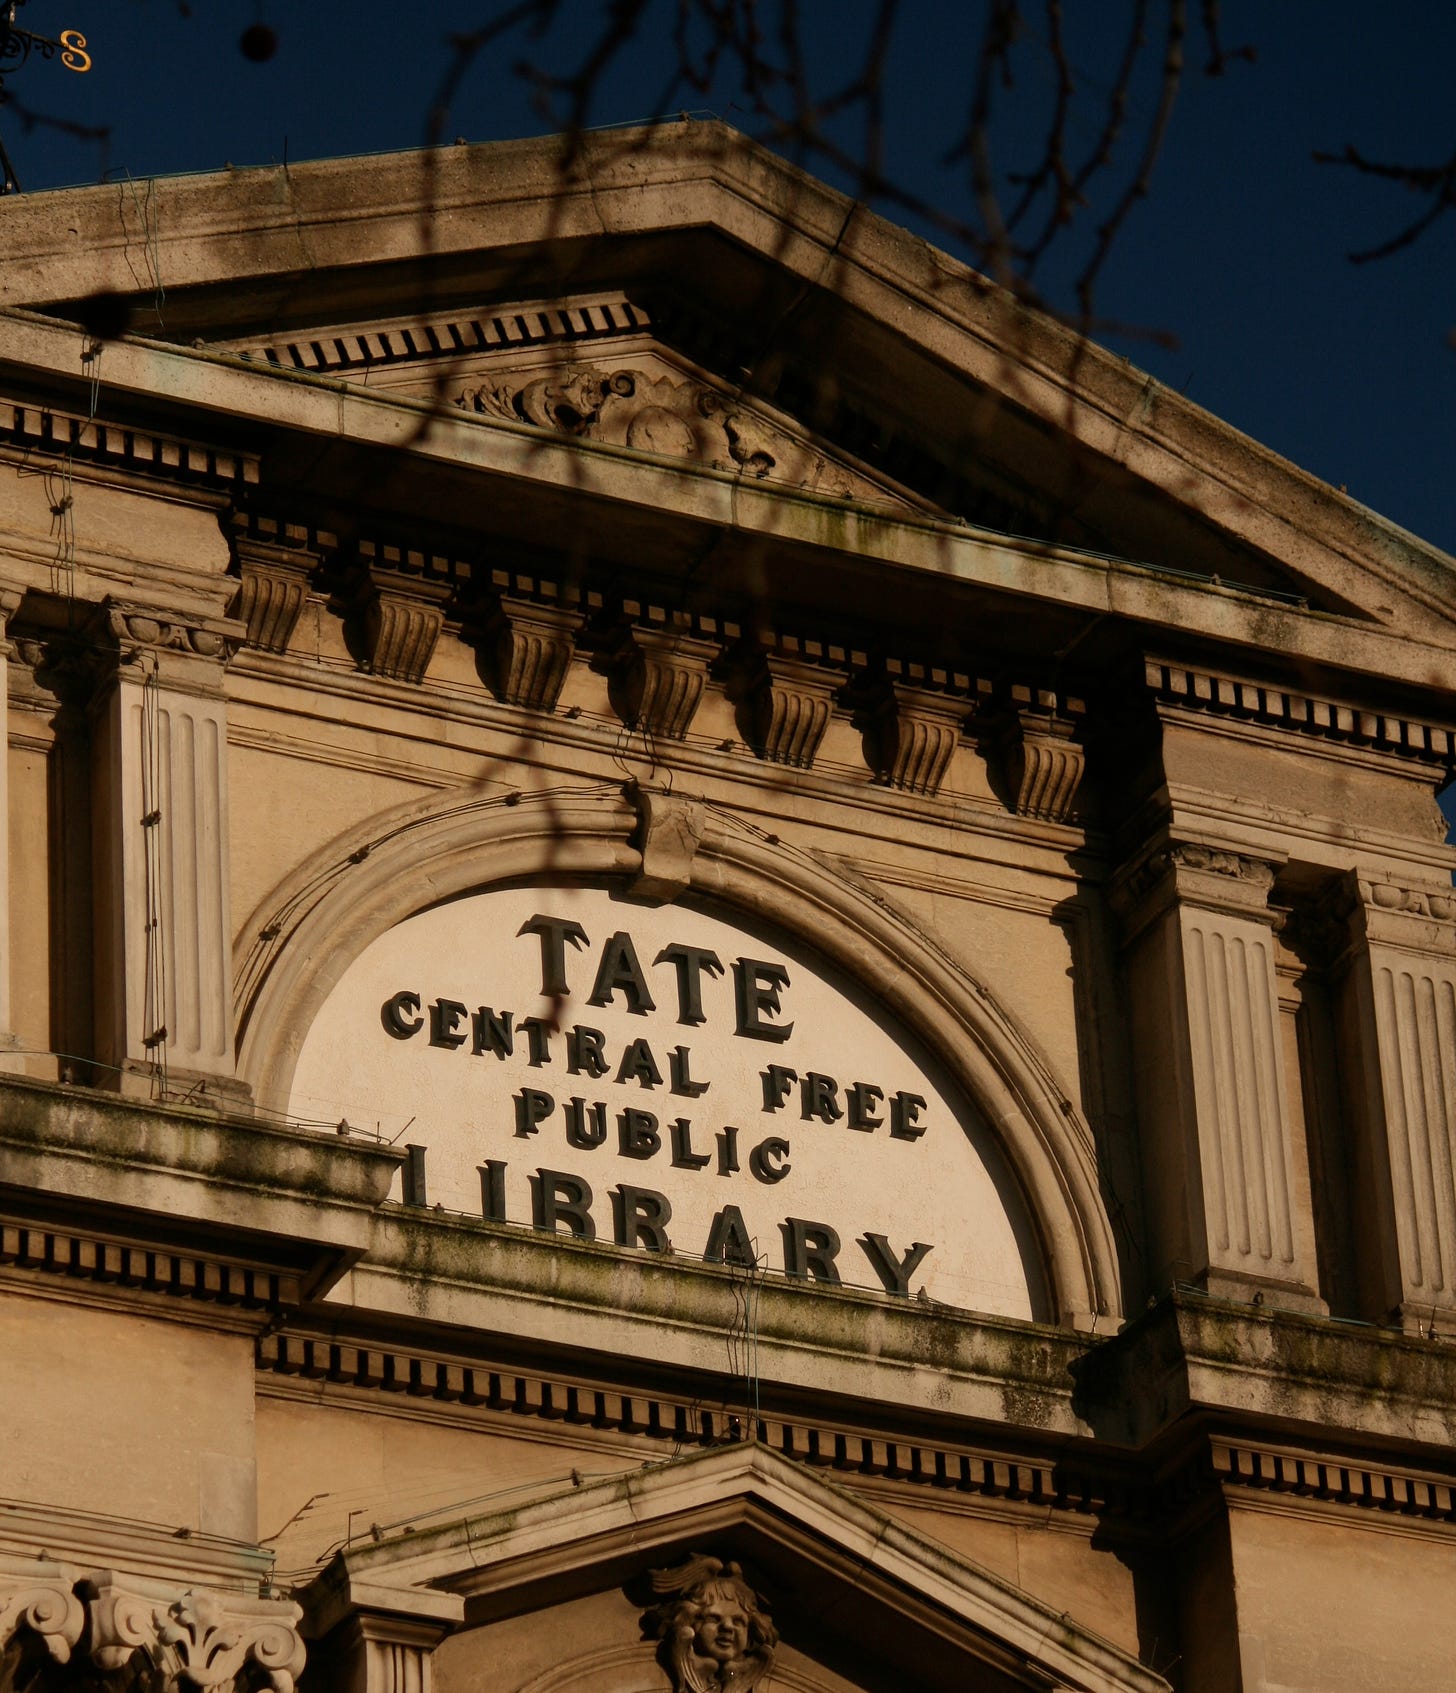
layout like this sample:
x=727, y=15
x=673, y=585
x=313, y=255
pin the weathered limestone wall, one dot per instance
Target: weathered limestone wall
x=1333, y=1607
x=145, y=1418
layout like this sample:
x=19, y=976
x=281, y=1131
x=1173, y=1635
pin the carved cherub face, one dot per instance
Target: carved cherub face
x=722, y=1628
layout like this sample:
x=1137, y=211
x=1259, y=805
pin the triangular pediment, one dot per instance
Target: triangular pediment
x=883, y=372
x=556, y=1591
x=593, y=368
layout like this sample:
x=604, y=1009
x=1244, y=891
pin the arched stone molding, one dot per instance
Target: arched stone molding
x=302, y=938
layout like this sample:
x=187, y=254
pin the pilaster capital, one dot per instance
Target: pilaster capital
x=1168, y=872
x=202, y=1639
x=184, y=651
x=1414, y=916
x=37, y=1597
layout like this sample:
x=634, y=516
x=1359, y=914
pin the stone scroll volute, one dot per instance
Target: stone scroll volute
x=713, y=1630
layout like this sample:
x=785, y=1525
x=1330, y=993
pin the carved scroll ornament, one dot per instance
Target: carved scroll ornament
x=654, y=414
x=36, y=1599
x=713, y=1629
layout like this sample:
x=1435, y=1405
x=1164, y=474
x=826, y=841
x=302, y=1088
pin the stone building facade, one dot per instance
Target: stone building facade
x=724, y=967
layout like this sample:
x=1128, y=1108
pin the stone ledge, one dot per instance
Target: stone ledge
x=68, y=1149
x=1279, y=1370
x=452, y=1272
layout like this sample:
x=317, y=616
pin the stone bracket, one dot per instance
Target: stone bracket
x=790, y=701
x=400, y=597
x=1041, y=760
x=533, y=645
x=660, y=674
x=916, y=733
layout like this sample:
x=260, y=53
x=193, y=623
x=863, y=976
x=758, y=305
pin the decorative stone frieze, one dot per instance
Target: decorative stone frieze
x=789, y=693
x=532, y=644
x=660, y=671
x=713, y=1630
x=674, y=418
x=1229, y=1178
x=37, y=1599
x=916, y=731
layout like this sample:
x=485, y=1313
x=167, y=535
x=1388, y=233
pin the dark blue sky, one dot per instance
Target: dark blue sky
x=1238, y=252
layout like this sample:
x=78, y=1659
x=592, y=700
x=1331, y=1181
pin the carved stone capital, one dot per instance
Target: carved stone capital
x=660, y=674
x=205, y=1640
x=789, y=702
x=1414, y=916
x=670, y=830
x=58, y=666
x=36, y=1597
x=1193, y=873
x=916, y=732
x=532, y=645
x=133, y=631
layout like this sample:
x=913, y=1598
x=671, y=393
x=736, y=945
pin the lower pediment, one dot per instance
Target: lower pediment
x=729, y=1571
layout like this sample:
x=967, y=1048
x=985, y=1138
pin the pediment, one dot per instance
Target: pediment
x=902, y=379
x=593, y=368
x=574, y=1588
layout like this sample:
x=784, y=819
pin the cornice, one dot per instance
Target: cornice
x=449, y=337
x=55, y=433
x=177, y=1176
x=656, y=491
x=460, y=1386
x=678, y=179
x=1192, y=1353
x=1217, y=694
